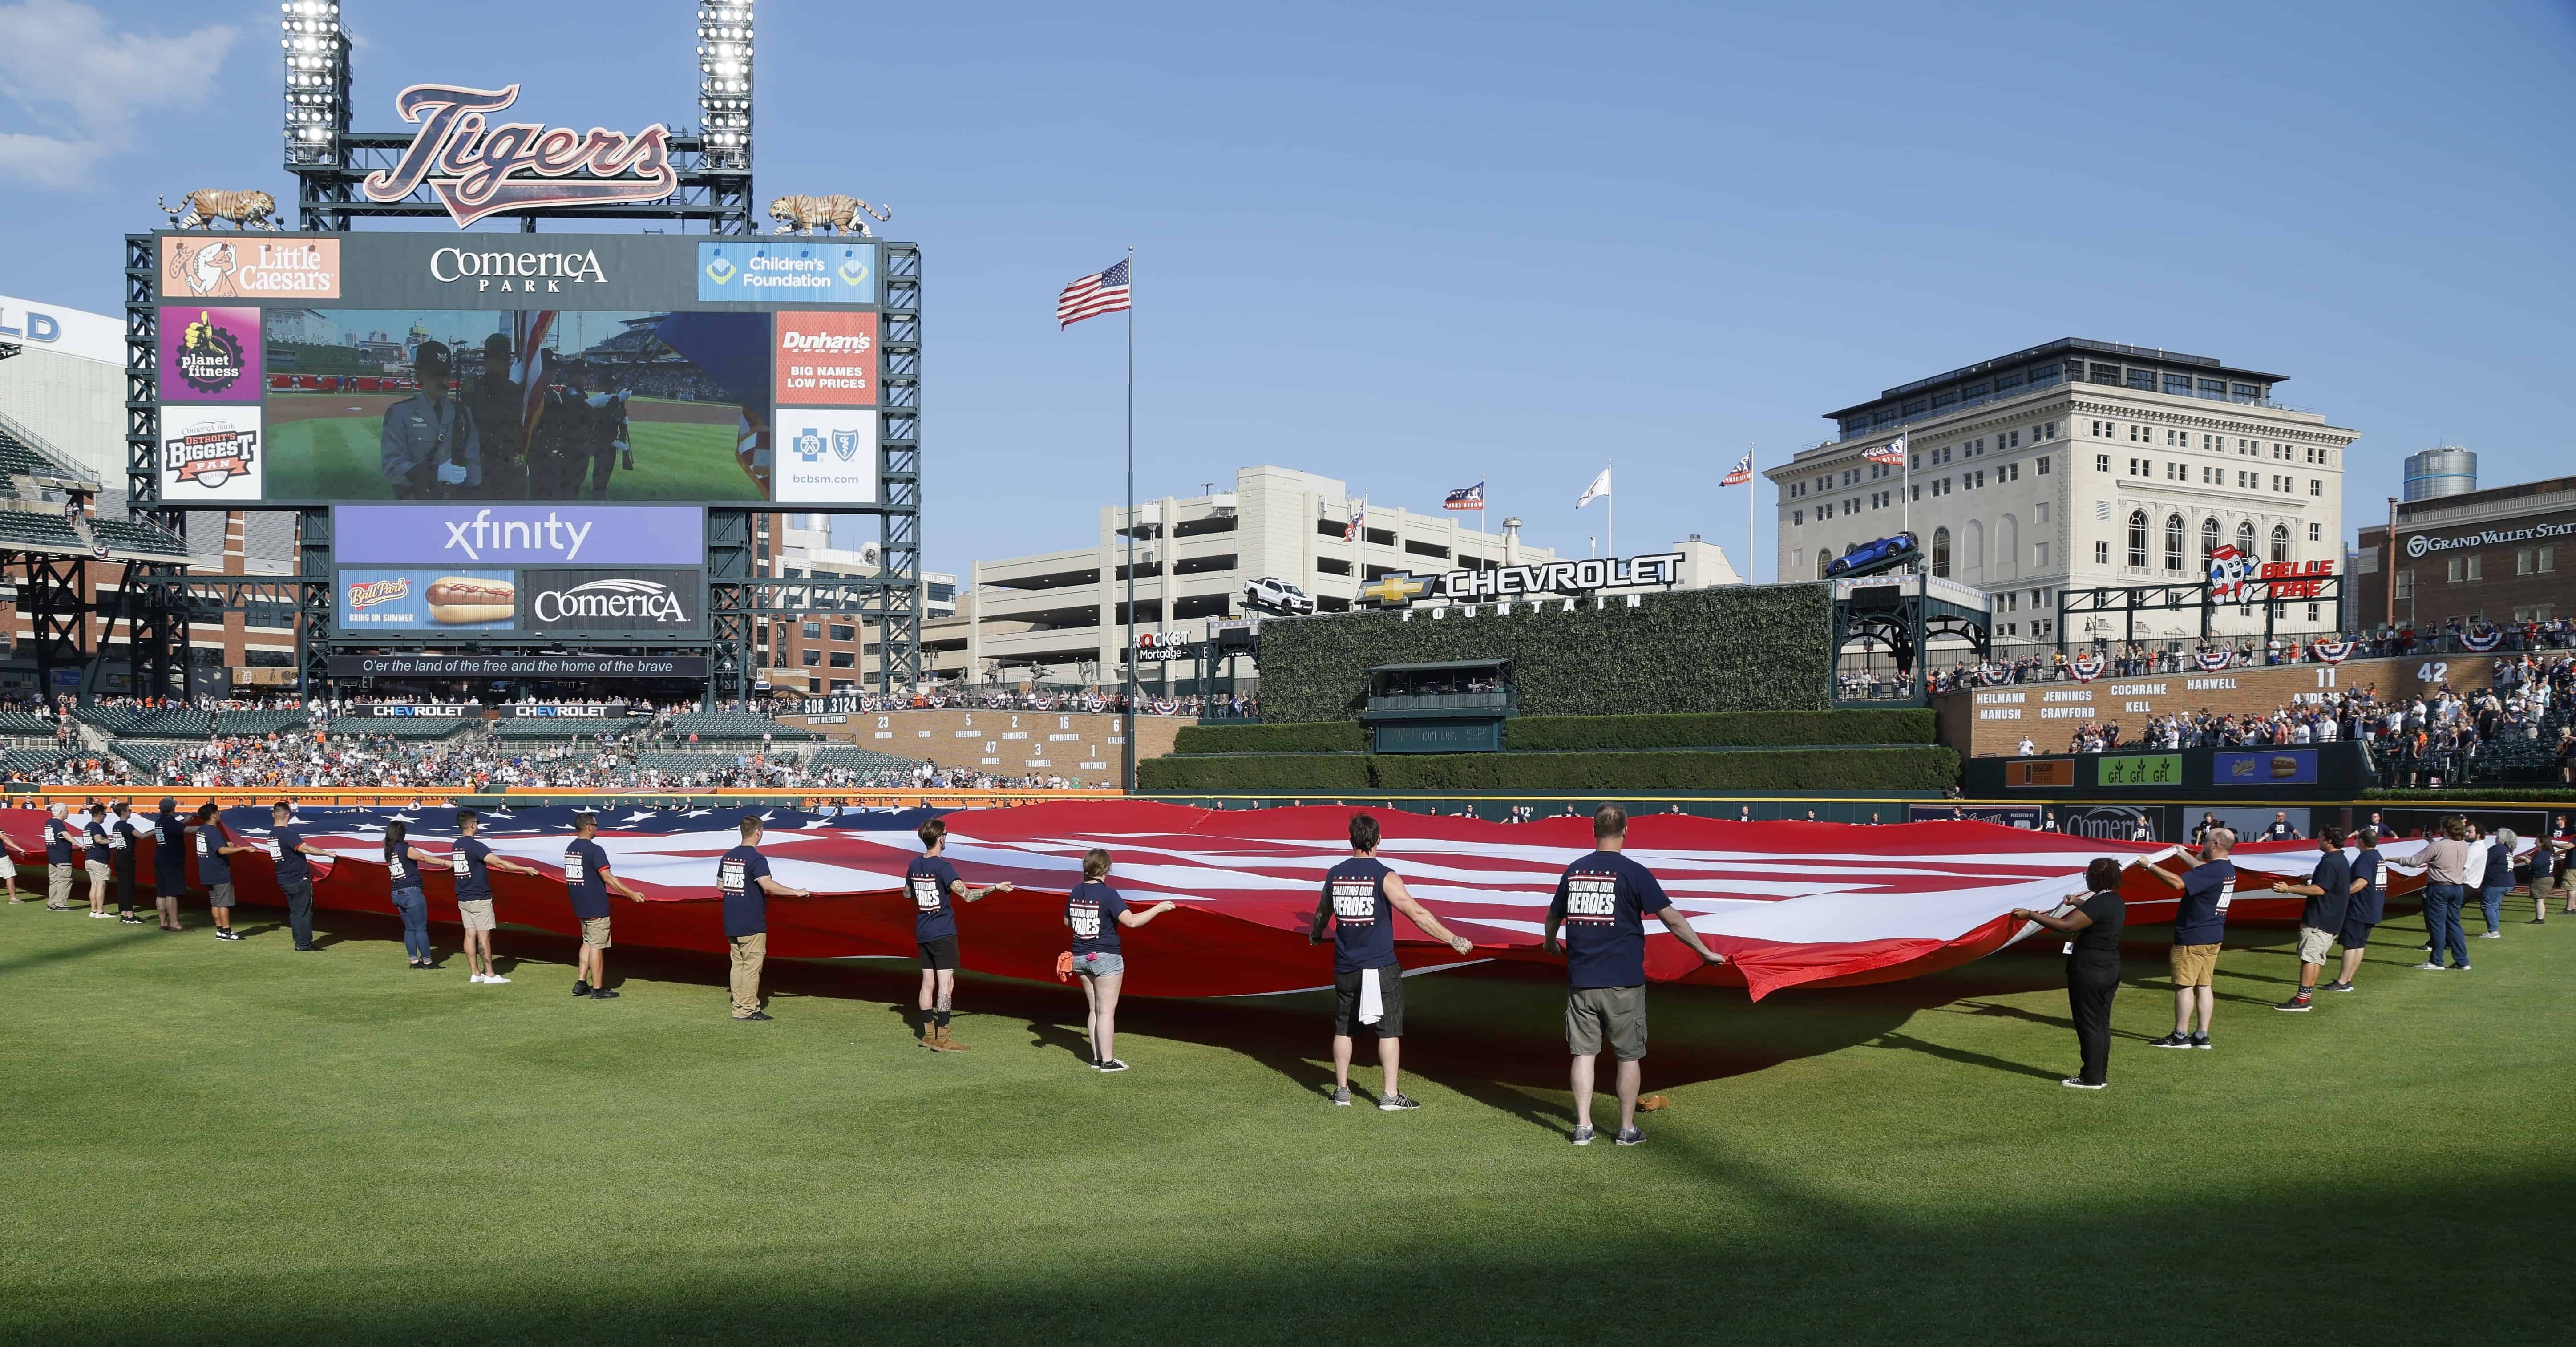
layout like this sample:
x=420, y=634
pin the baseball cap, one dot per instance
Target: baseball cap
x=169, y=801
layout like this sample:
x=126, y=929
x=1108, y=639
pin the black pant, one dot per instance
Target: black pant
x=2089, y=987
x=299, y=909
x=124, y=886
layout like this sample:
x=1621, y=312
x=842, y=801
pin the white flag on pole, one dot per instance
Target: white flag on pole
x=1600, y=487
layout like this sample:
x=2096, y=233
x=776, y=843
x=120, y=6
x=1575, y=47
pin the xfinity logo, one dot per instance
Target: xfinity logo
x=550, y=534
x=516, y=273
x=643, y=601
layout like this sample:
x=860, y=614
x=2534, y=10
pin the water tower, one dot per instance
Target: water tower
x=2444, y=470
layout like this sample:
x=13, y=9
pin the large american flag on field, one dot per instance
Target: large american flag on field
x=1788, y=904
x=1093, y=295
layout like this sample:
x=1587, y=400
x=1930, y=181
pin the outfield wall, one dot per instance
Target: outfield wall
x=1012, y=743
x=1990, y=722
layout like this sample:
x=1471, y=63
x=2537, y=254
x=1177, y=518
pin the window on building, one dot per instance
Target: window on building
x=2465, y=570
x=1941, y=551
x=2039, y=555
x=2178, y=384
x=1797, y=518
x=2316, y=487
x=1824, y=562
x=2405, y=581
x=2316, y=533
x=810, y=657
x=845, y=659
x=2280, y=542
x=2102, y=374
x=1332, y=566
x=843, y=631
x=2102, y=554
x=2173, y=542
x=2043, y=466
x=2138, y=539
x=2245, y=393
x=2208, y=540
x=2245, y=540
x=813, y=631
x=2101, y=463
x=2142, y=378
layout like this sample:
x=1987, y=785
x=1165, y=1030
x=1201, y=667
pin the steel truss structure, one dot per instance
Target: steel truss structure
x=1905, y=613
x=330, y=162
x=2127, y=601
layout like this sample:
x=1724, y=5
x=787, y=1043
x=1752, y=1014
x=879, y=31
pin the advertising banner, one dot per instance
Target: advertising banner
x=2265, y=767
x=463, y=532
x=291, y=269
x=795, y=271
x=408, y=709
x=2139, y=769
x=545, y=712
x=826, y=456
x=686, y=667
x=210, y=454
x=623, y=602
x=827, y=359
x=210, y=355
x=429, y=600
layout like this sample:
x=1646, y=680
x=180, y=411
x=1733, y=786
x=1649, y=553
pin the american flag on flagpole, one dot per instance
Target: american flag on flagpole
x=1098, y=293
x=1741, y=473
x=1359, y=519
x=528, y=333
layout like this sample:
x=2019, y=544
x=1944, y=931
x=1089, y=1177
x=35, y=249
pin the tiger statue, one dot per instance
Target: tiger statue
x=244, y=209
x=847, y=214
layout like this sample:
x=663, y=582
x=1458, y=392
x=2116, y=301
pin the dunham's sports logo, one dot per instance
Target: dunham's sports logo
x=477, y=169
x=370, y=593
x=210, y=453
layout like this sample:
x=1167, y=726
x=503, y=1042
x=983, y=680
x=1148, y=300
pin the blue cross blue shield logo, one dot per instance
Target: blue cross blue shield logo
x=808, y=444
x=846, y=444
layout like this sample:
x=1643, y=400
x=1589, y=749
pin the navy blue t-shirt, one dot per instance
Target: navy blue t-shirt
x=2198, y=921
x=401, y=871
x=2325, y=911
x=58, y=842
x=212, y=865
x=1093, y=909
x=584, y=865
x=746, y=904
x=97, y=841
x=292, y=865
x=169, y=845
x=121, y=834
x=1603, y=901
x=928, y=880
x=2366, y=906
x=1363, y=923
x=2499, y=872
x=466, y=860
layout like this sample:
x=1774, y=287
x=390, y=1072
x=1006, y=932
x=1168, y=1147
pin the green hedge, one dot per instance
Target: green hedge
x=1328, y=736
x=1719, y=729
x=1736, y=648
x=1881, y=769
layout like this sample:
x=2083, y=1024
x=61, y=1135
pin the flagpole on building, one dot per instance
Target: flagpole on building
x=1613, y=493
x=1750, y=491
x=1127, y=726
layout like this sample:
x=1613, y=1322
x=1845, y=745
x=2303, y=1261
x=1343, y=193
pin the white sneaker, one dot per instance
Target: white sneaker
x=476, y=978
x=494, y=978
x=2432, y=966
x=2492, y=935
x=103, y=914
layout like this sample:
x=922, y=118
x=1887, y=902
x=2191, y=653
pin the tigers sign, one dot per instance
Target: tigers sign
x=477, y=169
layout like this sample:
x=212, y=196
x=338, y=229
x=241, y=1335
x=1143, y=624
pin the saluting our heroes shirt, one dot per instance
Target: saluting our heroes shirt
x=2207, y=888
x=292, y=865
x=929, y=879
x=585, y=868
x=212, y=868
x=746, y=904
x=1363, y=930
x=97, y=841
x=400, y=872
x=1603, y=901
x=2366, y=907
x=170, y=849
x=466, y=859
x=1093, y=909
x=58, y=843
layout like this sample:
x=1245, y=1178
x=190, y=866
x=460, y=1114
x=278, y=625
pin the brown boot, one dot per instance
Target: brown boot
x=948, y=1044
x=930, y=1037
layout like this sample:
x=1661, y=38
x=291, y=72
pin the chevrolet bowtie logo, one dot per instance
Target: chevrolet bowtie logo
x=1393, y=591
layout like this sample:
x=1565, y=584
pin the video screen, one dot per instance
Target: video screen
x=545, y=406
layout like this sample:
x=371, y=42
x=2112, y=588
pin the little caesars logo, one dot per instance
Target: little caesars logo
x=2422, y=543
x=527, y=273
x=640, y=601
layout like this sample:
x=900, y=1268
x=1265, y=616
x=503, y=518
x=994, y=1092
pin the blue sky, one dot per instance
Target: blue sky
x=1418, y=246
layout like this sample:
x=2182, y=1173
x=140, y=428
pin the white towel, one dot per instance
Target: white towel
x=1372, y=1001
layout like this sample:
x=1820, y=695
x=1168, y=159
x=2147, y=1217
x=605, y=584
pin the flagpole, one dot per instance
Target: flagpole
x=1750, y=490
x=1127, y=729
x=1613, y=530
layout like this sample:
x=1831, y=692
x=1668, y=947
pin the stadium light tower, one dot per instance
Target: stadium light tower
x=317, y=80
x=724, y=84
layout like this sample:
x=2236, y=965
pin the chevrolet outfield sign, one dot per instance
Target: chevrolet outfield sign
x=2423, y=543
x=1563, y=578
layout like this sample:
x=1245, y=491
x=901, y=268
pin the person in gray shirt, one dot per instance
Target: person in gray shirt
x=430, y=449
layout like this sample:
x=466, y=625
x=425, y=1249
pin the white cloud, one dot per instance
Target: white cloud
x=85, y=87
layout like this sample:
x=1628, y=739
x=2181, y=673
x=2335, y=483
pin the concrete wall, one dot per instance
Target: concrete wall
x=1014, y=743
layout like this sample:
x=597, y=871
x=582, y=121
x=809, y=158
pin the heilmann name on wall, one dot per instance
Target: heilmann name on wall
x=1994, y=721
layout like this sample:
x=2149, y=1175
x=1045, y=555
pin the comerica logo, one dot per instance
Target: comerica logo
x=823, y=342
x=642, y=600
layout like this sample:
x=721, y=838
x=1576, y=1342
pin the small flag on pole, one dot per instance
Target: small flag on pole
x=1466, y=498
x=1098, y=293
x=1741, y=473
x=1600, y=487
x=1891, y=453
x=1359, y=520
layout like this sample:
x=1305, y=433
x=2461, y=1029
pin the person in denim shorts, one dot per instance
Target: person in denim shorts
x=1095, y=912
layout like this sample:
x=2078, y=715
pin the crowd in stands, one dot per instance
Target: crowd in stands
x=1094, y=701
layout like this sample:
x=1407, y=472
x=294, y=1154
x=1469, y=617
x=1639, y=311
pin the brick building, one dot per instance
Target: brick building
x=2499, y=555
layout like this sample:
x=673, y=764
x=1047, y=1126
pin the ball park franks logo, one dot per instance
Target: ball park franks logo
x=477, y=169
x=368, y=594
x=210, y=452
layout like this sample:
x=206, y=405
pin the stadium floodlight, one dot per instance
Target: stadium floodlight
x=317, y=79
x=724, y=83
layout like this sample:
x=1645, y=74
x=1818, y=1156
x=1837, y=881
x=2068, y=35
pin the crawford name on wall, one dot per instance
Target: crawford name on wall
x=1401, y=590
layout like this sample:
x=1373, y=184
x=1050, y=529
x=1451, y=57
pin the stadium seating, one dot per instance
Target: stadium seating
x=16, y=760
x=140, y=537
x=108, y=718
x=403, y=727
x=685, y=764
x=735, y=727
x=228, y=723
x=149, y=754
x=172, y=723
x=23, y=452
x=553, y=730
x=26, y=528
x=25, y=722
x=850, y=757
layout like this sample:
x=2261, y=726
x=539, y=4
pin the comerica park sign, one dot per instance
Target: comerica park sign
x=1401, y=590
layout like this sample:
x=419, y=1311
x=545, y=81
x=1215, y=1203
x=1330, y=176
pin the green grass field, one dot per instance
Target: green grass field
x=339, y=458
x=238, y=1143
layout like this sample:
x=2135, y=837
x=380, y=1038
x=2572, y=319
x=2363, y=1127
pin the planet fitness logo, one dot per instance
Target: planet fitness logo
x=210, y=358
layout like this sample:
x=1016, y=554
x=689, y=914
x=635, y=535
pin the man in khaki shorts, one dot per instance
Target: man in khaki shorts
x=472, y=861
x=1601, y=902
x=2200, y=926
x=58, y=859
x=586, y=874
x=215, y=867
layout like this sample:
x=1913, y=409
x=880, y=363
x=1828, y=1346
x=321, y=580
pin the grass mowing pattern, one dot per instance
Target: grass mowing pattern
x=230, y=1143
